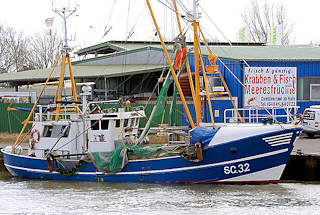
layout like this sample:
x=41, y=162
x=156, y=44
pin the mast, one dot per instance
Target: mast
x=195, y=24
x=65, y=14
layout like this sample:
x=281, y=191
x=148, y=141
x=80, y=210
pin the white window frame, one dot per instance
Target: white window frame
x=311, y=98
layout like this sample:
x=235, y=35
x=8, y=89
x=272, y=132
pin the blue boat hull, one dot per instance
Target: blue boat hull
x=249, y=160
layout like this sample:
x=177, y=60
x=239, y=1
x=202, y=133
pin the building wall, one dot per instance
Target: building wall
x=307, y=72
x=235, y=67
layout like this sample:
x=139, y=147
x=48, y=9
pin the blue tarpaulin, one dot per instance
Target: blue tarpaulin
x=203, y=135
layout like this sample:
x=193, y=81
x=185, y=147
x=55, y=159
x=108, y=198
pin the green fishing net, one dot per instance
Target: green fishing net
x=117, y=159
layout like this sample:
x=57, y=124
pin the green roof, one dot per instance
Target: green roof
x=82, y=71
x=105, y=47
x=267, y=53
x=115, y=54
x=140, y=44
x=248, y=52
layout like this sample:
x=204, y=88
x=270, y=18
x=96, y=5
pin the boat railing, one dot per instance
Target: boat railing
x=261, y=114
x=113, y=109
x=137, y=108
x=46, y=112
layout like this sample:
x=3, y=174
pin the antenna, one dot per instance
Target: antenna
x=65, y=13
x=194, y=14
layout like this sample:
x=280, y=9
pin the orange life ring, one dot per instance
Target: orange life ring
x=32, y=136
x=180, y=57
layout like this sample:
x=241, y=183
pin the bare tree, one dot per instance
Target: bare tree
x=19, y=53
x=43, y=50
x=261, y=19
x=13, y=50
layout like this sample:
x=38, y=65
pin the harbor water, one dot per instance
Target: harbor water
x=20, y=196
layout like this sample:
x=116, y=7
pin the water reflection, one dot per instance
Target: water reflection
x=49, y=197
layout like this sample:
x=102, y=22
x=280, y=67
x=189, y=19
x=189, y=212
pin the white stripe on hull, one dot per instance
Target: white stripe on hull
x=264, y=175
x=278, y=140
x=277, y=137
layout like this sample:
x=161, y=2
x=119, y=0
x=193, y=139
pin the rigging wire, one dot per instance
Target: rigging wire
x=182, y=6
x=188, y=25
x=104, y=25
x=173, y=10
x=221, y=34
x=216, y=26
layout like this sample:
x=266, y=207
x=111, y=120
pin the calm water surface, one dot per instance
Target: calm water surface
x=18, y=196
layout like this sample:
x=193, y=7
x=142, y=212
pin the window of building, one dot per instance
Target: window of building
x=314, y=91
x=214, y=84
x=304, y=88
x=95, y=124
x=104, y=124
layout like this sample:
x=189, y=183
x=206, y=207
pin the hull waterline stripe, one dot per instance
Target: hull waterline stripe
x=164, y=170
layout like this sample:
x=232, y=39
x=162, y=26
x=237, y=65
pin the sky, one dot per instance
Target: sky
x=131, y=17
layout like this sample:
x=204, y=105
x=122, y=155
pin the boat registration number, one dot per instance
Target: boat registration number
x=234, y=169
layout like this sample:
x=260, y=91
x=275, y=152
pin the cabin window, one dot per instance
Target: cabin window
x=137, y=121
x=47, y=130
x=125, y=124
x=132, y=122
x=65, y=130
x=104, y=124
x=57, y=131
x=117, y=123
x=95, y=124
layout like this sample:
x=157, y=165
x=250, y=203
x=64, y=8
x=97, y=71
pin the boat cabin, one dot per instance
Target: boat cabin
x=94, y=131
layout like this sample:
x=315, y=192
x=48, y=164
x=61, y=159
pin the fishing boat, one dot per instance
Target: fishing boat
x=92, y=141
